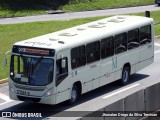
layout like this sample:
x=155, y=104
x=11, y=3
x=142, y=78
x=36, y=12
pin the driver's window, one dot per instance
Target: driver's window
x=59, y=70
x=18, y=65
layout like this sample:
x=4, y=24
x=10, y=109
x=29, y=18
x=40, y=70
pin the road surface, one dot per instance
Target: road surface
x=75, y=15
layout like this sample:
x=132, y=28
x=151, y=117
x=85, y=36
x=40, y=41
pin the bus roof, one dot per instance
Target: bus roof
x=86, y=33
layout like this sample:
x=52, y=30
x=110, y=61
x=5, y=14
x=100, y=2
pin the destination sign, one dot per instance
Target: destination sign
x=33, y=51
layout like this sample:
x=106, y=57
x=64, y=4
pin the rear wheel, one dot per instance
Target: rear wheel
x=158, y=4
x=74, y=95
x=125, y=75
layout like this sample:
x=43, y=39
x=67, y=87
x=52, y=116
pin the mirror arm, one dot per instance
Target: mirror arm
x=7, y=53
x=5, y=57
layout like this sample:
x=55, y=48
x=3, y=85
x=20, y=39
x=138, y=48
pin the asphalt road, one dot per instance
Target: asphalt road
x=74, y=15
x=91, y=101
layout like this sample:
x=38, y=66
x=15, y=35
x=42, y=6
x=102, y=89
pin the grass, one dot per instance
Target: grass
x=71, y=6
x=17, y=32
x=103, y=4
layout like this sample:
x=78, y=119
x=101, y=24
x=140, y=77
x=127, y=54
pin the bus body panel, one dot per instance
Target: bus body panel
x=120, y=63
x=88, y=75
x=107, y=70
x=133, y=62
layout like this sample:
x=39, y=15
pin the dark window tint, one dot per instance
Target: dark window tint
x=120, y=43
x=61, y=73
x=59, y=69
x=107, y=47
x=78, y=57
x=93, y=51
x=18, y=65
x=133, y=39
x=145, y=34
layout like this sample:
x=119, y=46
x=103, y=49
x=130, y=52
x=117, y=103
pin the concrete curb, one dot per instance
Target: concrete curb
x=55, y=12
x=3, y=80
x=157, y=37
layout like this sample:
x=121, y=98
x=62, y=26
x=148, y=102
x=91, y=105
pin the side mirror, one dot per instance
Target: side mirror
x=5, y=61
x=63, y=63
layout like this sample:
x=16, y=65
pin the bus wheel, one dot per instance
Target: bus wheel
x=125, y=75
x=74, y=95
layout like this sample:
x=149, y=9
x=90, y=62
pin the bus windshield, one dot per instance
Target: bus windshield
x=31, y=71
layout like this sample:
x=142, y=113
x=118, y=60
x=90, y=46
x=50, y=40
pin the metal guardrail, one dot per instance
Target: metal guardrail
x=132, y=107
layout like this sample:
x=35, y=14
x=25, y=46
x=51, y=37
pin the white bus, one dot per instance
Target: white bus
x=63, y=65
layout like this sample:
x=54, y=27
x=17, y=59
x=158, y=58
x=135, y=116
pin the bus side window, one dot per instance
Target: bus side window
x=145, y=34
x=78, y=57
x=107, y=47
x=93, y=51
x=120, y=43
x=133, y=39
x=61, y=73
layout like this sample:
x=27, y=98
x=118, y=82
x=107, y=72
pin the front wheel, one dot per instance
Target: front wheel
x=74, y=95
x=125, y=75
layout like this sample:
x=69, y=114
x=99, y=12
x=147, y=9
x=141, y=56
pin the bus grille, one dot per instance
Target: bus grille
x=33, y=88
x=29, y=99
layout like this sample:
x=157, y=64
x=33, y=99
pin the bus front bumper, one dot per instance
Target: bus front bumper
x=44, y=99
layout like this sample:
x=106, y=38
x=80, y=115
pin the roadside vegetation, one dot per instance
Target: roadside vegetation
x=12, y=8
x=18, y=32
x=82, y=5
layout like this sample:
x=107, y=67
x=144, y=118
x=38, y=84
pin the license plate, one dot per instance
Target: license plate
x=23, y=92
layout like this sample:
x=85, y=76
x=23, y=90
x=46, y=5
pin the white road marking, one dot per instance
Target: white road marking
x=119, y=91
x=157, y=44
x=157, y=52
x=5, y=103
x=6, y=98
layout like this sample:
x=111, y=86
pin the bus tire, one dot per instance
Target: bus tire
x=125, y=75
x=74, y=95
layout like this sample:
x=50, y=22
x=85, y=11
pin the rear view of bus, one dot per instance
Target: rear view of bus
x=61, y=66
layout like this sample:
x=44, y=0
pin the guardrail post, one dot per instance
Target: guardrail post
x=147, y=13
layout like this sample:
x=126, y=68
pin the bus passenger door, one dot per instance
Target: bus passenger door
x=62, y=80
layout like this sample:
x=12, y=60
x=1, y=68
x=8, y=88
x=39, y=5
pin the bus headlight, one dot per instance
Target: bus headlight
x=49, y=92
